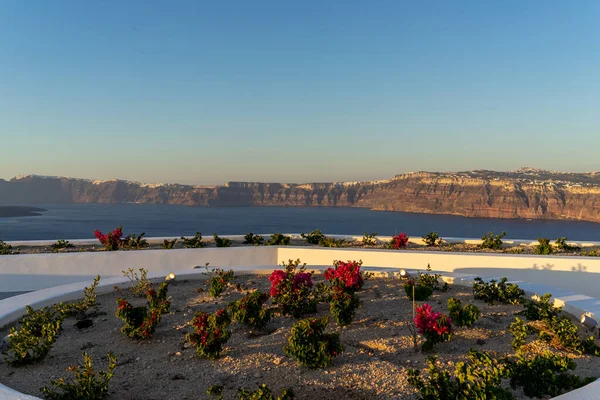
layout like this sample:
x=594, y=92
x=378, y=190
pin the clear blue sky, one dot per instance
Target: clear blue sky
x=210, y=91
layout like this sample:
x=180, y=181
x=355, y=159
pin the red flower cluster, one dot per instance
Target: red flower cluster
x=301, y=280
x=276, y=278
x=399, y=241
x=210, y=333
x=112, y=240
x=435, y=326
x=346, y=275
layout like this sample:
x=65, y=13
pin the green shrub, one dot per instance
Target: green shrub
x=216, y=391
x=462, y=316
x=6, y=249
x=369, y=239
x=544, y=247
x=543, y=309
x=478, y=378
x=277, y=239
x=264, y=393
x=169, y=244
x=519, y=331
x=343, y=307
x=310, y=345
x=221, y=242
x=491, y=241
x=85, y=385
x=193, y=243
x=544, y=375
x=432, y=280
x=255, y=240
x=134, y=241
x=89, y=300
x=500, y=292
x=332, y=242
x=314, y=237
x=567, y=334
x=60, y=245
x=218, y=280
x=561, y=244
x=422, y=293
x=432, y=239
x=250, y=310
x=31, y=342
x=211, y=332
x=138, y=283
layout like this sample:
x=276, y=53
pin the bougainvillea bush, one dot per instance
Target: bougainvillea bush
x=344, y=280
x=310, y=345
x=112, y=240
x=434, y=326
x=218, y=280
x=211, y=332
x=250, y=310
x=399, y=241
x=292, y=290
x=140, y=322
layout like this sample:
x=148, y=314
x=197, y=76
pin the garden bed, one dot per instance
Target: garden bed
x=378, y=347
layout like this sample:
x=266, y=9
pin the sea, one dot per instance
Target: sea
x=78, y=221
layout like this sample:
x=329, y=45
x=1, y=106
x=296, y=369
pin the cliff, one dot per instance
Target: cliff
x=526, y=193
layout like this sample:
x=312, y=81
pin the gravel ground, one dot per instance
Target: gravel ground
x=378, y=348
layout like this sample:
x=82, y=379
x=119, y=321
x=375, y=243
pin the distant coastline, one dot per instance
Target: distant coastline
x=20, y=211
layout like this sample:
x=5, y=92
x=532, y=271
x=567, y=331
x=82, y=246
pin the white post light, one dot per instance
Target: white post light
x=170, y=277
x=588, y=321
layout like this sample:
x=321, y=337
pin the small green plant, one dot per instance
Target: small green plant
x=432, y=280
x=519, y=331
x=567, y=335
x=277, y=239
x=314, y=237
x=544, y=374
x=432, y=239
x=85, y=385
x=6, y=249
x=194, y=242
x=343, y=307
x=491, y=241
x=264, y=393
x=369, y=239
x=421, y=292
x=61, y=245
x=250, y=310
x=310, y=345
x=478, y=378
x=332, y=242
x=89, y=300
x=255, y=240
x=211, y=332
x=216, y=391
x=169, y=244
x=462, y=316
x=218, y=279
x=499, y=292
x=561, y=244
x=221, y=242
x=544, y=247
x=134, y=241
x=542, y=309
x=31, y=342
x=138, y=283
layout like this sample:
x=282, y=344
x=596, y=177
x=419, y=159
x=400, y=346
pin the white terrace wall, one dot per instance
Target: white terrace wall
x=38, y=271
x=26, y=272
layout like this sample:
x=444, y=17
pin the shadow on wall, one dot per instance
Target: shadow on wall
x=577, y=280
x=10, y=283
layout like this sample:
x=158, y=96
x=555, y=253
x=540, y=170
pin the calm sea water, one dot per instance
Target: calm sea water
x=78, y=221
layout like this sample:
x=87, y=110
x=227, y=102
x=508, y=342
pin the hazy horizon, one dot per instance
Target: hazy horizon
x=205, y=93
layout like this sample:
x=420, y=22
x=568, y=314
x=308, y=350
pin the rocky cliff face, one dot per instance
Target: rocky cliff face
x=521, y=194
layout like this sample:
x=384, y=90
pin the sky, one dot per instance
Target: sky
x=204, y=92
